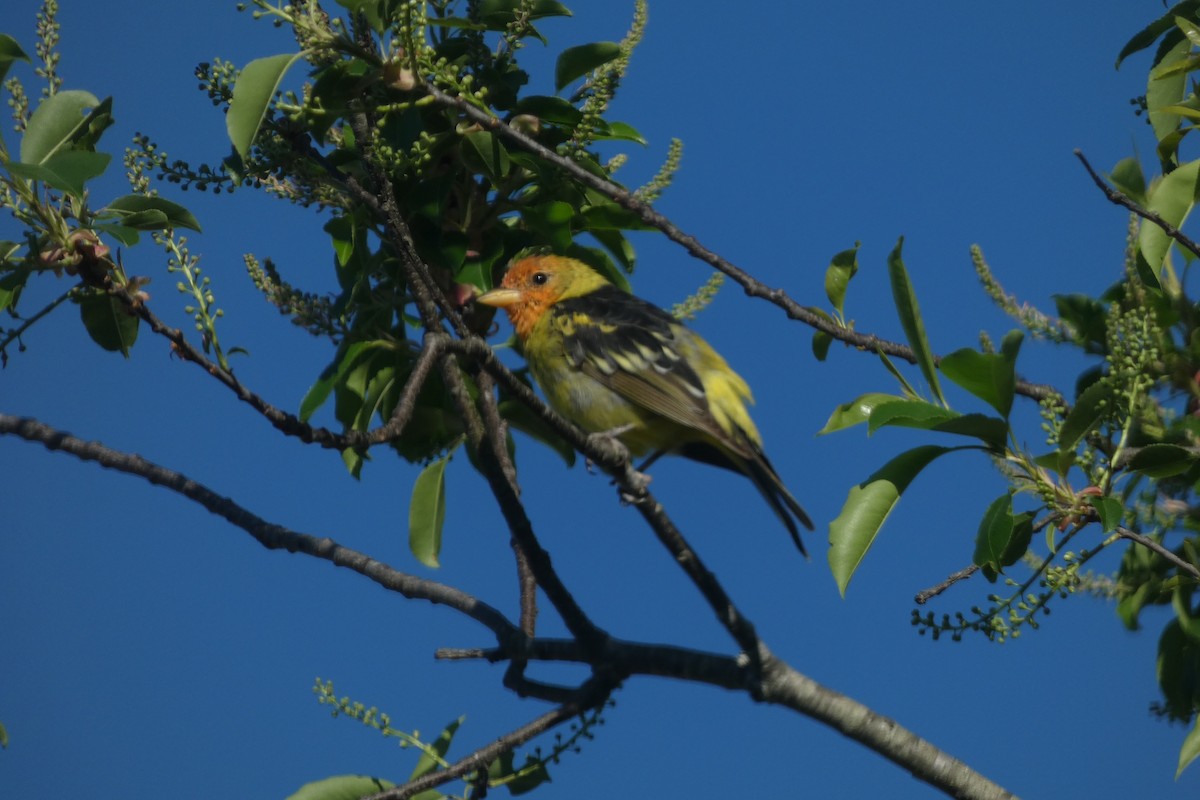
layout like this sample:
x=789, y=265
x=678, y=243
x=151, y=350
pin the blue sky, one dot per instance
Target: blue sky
x=148, y=647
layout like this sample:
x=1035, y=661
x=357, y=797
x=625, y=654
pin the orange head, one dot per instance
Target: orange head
x=535, y=283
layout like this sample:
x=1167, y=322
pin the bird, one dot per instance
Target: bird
x=610, y=361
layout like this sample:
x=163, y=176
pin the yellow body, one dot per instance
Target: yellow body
x=607, y=360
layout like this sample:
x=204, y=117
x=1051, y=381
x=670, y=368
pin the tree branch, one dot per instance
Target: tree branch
x=286, y=423
x=591, y=695
x=1122, y=199
x=269, y=535
x=752, y=287
x=501, y=480
x=1146, y=541
x=782, y=685
x=925, y=595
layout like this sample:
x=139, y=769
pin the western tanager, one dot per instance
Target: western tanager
x=609, y=361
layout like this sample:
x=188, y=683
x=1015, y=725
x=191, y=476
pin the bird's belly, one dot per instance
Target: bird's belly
x=597, y=409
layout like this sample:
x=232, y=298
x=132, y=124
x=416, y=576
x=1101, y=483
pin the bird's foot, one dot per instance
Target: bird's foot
x=609, y=442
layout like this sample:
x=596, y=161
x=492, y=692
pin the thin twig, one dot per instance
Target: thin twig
x=925, y=595
x=590, y=696
x=1146, y=541
x=269, y=535
x=15, y=333
x=498, y=433
x=283, y=421
x=608, y=454
x=430, y=301
x=1121, y=199
x=751, y=286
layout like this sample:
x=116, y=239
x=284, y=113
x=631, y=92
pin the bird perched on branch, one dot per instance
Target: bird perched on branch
x=609, y=361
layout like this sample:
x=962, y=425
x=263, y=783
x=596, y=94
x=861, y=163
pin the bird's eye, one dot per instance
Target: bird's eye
x=540, y=278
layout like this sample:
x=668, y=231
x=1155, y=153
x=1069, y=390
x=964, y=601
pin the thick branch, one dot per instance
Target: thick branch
x=780, y=684
x=783, y=686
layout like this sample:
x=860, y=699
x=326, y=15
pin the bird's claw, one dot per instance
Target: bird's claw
x=610, y=438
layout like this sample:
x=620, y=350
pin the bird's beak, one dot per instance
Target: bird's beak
x=499, y=297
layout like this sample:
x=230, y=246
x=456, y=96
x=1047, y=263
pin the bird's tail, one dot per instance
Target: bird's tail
x=758, y=469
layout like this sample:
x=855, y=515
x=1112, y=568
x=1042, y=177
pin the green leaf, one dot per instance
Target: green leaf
x=1087, y=317
x=59, y=122
x=1190, y=749
x=1057, y=460
x=1172, y=198
x=842, y=268
x=1018, y=543
x=991, y=377
x=910, y=318
x=66, y=170
x=427, y=763
x=347, y=358
x=610, y=216
x=1163, y=460
x=821, y=342
x=856, y=411
x=575, y=62
x=529, y=781
x=618, y=131
x=909, y=414
x=427, y=512
x=176, y=216
x=923, y=415
x=341, y=233
x=1109, y=509
x=252, y=92
x=1149, y=35
x=10, y=51
x=905, y=386
x=10, y=288
x=1177, y=668
x=341, y=787
x=1128, y=178
x=1165, y=88
x=149, y=220
x=868, y=506
x=1090, y=409
x=126, y=236
x=454, y=22
x=552, y=222
x=615, y=243
x=551, y=109
x=499, y=13
x=485, y=153
x=995, y=533
x=108, y=322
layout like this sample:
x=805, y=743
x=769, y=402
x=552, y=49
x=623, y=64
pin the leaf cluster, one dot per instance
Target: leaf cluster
x=501, y=772
x=1123, y=460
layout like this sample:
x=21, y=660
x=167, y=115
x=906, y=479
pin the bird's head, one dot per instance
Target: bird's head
x=535, y=283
